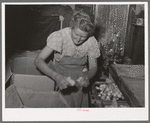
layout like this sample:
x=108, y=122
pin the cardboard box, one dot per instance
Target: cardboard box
x=24, y=65
x=26, y=75
x=21, y=54
x=8, y=71
x=12, y=98
x=26, y=53
x=27, y=98
x=33, y=82
x=29, y=88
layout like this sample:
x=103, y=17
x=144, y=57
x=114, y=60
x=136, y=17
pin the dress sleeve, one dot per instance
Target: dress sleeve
x=94, y=50
x=54, y=41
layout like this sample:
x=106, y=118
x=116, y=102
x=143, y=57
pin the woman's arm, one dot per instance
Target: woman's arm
x=41, y=64
x=92, y=67
x=86, y=76
x=43, y=67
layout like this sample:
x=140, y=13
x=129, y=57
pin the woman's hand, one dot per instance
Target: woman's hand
x=62, y=82
x=83, y=81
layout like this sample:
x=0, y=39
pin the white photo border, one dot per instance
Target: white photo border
x=72, y=114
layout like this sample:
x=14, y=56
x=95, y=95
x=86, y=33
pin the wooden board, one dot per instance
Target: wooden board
x=132, y=89
x=136, y=87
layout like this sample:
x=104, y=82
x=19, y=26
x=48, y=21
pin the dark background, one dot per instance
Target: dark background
x=27, y=27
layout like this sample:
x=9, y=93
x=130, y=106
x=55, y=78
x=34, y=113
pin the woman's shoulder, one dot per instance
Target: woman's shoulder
x=65, y=32
x=91, y=40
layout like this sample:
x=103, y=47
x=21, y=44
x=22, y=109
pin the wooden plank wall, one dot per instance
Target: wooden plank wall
x=135, y=11
x=129, y=33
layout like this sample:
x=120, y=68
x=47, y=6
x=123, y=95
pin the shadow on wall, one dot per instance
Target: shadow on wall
x=99, y=31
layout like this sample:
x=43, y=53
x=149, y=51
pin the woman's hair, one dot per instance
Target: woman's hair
x=82, y=21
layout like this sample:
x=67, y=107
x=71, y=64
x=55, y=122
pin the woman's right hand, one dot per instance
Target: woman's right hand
x=62, y=82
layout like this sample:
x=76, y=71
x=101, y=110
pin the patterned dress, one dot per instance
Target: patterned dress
x=61, y=42
x=70, y=60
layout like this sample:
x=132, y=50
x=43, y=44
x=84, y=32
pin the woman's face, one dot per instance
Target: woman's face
x=78, y=36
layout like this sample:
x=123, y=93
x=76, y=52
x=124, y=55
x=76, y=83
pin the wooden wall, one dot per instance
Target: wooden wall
x=111, y=19
x=129, y=34
x=135, y=11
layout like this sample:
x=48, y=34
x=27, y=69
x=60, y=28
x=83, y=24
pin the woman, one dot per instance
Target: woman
x=73, y=47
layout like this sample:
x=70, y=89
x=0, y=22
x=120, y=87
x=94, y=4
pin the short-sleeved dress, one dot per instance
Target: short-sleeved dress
x=70, y=60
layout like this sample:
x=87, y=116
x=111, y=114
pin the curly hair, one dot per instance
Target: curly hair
x=82, y=21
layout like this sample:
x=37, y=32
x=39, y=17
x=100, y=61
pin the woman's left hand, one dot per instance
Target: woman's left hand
x=83, y=81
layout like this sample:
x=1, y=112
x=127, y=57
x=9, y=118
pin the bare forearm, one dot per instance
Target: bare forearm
x=92, y=67
x=92, y=72
x=42, y=66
